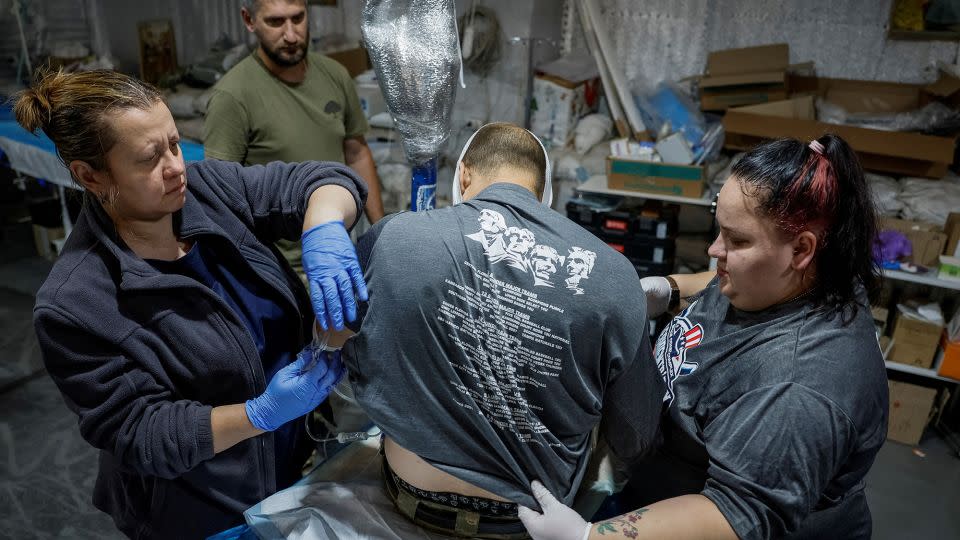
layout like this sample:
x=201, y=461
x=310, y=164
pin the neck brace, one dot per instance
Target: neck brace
x=546, y=199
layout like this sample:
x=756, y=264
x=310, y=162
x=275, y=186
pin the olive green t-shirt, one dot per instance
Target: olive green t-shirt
x=255, y=118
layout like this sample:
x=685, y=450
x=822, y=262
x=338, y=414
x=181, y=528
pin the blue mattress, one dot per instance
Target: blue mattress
x=10, y=129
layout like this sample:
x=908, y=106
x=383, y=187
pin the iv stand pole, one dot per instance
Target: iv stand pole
x=25, y=51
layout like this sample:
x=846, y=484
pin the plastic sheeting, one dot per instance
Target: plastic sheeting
x=931, y=118
x=669, y=39
x=414, y=49
x=929, y=200
x=885, y=192
x=342, y=499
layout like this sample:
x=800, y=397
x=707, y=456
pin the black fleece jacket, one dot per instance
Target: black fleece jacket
x=142, y=357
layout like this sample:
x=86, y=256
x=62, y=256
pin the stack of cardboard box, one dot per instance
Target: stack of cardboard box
x=893, y=152
x=737, y=77
x=921, y=343
x=915, y=341
x=928, y=240
x=910, y=409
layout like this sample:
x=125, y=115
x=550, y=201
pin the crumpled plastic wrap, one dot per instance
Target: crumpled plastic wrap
x=930, y=118
x=885, y=192
x=667, y=108
x=929, y=200
x=394, y=173
x=590, y=130
x=414, y=50
x=395, y=183
x=181, y=104
x=571, y=169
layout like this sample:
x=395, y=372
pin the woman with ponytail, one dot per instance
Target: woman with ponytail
x=777, y=393
x=170, y=323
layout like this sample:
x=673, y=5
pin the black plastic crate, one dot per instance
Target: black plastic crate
x=655, y=250
x=656, y=220
x=589, y=211
x=650, y=268
x=624, y=218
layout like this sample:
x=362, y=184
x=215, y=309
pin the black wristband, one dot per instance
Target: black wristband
x=674, y=294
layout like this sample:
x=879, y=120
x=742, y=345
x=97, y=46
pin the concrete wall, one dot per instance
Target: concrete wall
x=197, y=24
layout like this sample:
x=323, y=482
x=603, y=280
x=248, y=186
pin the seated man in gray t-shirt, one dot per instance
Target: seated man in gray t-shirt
x=497, y=335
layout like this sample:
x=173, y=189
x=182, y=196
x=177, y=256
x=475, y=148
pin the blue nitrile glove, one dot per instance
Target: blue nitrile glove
x=296, y=389
x=330, y=262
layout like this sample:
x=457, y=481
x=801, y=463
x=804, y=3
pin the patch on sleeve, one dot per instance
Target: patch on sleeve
x=671, y=350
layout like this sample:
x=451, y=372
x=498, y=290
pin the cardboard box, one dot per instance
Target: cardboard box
x=744, y=76
x=949, y=268
x=914, y=342
x=899, y=153
x=910, y=407
x=652, y=177
x=721, y=100
x=952, y=229
x=927, y=239
x=945, y=89
x=558, y=104
x=880, y=316
x=355, y=60
x=948, y=358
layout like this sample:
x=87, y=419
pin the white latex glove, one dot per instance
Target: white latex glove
x=657, y=289
x=557, y=522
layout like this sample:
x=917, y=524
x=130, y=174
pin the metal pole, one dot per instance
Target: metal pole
x=17, y=12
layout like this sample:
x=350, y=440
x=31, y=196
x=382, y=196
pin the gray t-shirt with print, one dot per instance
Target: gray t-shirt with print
x=497, y=335
x=776, y=416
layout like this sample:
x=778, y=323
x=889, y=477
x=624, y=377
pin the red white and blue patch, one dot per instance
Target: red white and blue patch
x=677, y=338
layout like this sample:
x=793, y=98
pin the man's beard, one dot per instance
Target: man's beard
x=286, y=61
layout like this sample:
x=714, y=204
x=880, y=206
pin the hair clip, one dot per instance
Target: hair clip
x=816, y=146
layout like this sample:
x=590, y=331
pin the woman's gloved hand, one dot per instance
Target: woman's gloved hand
x=333, y=272
x=296, y=389
x=557, y=522
x=657, y=289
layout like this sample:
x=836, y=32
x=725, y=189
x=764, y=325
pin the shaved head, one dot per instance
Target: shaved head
x=253, y=5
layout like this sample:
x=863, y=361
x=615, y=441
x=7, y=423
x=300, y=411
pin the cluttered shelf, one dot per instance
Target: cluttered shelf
x=924, y=279
x=922, y=372
x=598, y=184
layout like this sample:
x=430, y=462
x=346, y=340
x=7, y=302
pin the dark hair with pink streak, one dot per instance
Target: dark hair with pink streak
x=800, y=189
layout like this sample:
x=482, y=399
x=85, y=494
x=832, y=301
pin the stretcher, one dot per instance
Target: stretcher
x=36, y=156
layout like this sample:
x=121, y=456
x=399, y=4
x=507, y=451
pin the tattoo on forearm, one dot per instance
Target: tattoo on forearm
x=624, y=524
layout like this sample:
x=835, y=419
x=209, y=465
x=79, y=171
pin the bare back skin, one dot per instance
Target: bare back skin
x=413, y=470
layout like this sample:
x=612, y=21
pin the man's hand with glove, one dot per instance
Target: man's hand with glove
x=658, y=290
x=296, y=389
x=557, y=522
x=333, y=272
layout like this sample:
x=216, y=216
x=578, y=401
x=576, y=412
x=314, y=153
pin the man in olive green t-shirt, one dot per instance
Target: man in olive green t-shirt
x=283, y=103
